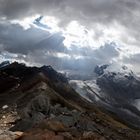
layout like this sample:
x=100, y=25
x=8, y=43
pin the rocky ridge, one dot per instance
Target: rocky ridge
x=42, y=104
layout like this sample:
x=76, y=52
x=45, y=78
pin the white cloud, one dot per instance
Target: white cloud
x=86, y=26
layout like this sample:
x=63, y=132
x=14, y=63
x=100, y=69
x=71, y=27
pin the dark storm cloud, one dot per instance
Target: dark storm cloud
x=102, y=54
x=14, y=39
x=19, y=9
x=84, y=10
x=86, y=62
x=36, y=46
x=87, y=12
x=35, y=42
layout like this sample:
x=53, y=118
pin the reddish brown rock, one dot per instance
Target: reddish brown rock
x=41, y=135
x=53, y=125
x=91, y=136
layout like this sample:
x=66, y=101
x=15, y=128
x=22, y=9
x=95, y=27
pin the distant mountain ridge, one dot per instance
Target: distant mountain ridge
x=117, y=92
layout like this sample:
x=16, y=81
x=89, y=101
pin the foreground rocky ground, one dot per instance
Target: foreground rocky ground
x=39, y=104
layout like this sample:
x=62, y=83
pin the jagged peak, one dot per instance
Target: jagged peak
x=4, y=63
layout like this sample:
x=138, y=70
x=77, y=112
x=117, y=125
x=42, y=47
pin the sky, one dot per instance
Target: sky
x=73, y=35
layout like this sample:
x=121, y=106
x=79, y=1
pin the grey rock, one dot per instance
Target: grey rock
x=38, y=104
x=23, y=125
x=66, y=120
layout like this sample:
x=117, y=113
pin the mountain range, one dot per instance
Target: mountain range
x=43, y=103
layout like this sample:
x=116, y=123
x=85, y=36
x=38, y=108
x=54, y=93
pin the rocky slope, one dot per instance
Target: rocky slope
x=41, y=103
